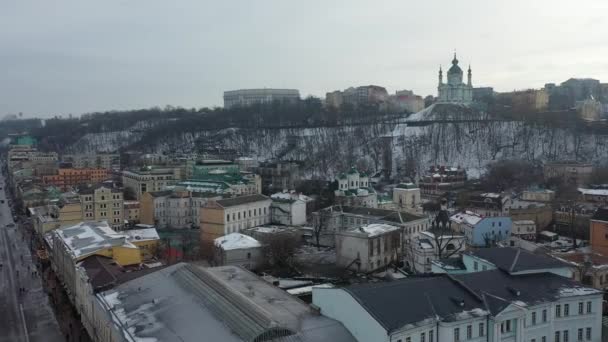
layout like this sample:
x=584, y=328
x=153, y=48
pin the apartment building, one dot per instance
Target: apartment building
x=66, y=212
x=131, y=211
x=149, y=179
x=225, y=216
x=477, y=307
x=248, y=97
x=106, y=161
x=67, y=178
x=569, y=171
x=369, y=247
x=176, y=209
x=102, y=203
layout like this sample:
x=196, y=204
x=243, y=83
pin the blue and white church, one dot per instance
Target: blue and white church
x=455, y=90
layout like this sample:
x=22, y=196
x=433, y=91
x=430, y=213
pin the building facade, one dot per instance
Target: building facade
x=571, y=172
x=248, y=97
x=369, y=247
x=106, y=161
x=225, y=216
x=481, y=231
x=149, y=179
x=101, y=203
x=175, y=209
x=67, y=178
x=455, y=90
x=598, y=231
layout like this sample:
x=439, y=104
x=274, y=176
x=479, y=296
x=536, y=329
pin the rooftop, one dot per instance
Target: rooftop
x=594, y=192
x=468, y=217
x=457, y=297
x=515, y=260
x=141, y=234
x=231, y=202
x=184, y=302
x=377, y=214
x=104, y=273
x=86, y=238
x=375, y=229
x=236, y=241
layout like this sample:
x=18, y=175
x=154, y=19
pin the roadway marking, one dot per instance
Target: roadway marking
x=27, y=335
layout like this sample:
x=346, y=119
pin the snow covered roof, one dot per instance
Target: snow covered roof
x=468, y=217
x=236, y=241
x=142, y=234
x=184, y=302
x=293, y=196
x=490, y=195
x=524, y=222
x=593, y=192
x=88, y=237
x=376, y=229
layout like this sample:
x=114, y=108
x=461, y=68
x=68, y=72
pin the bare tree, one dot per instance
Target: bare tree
x=447, y=242
x=279, y=249
x=321, y=224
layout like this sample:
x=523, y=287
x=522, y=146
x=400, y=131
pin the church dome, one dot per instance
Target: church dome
x=455, y=69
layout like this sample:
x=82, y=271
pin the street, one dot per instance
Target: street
x=25, y=311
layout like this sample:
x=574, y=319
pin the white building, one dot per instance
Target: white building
x=248, y=97
x=426, y=247
x=406, y=196
x=288, y=209
x=483, y=306
x=237, y=249
x=354, y=188
x=455, y=90
x=524, y=229
x=368, y=247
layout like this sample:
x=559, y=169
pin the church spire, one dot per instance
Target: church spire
x=440, y=75
x=469, y=76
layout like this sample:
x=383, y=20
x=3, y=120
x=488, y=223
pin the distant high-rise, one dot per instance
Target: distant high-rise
x=248, y=97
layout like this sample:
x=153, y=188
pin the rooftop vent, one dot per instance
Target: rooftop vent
x=514, y=291
x=457, y=301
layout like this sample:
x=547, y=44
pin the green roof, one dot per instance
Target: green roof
x=342, y=176
x=406, y=186
x=352, y=171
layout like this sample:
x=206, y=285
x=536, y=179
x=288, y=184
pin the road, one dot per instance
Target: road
x=24, y=316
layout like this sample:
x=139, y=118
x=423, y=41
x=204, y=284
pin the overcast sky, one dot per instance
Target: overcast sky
x=75, y=56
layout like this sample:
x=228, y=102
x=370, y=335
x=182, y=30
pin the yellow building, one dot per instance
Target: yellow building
x=102, y=203
x=132, y=211
x=225, y=216
x=70, y=245
x=49, y=217
x=149, y=179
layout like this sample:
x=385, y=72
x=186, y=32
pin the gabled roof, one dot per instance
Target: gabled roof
x=231, y=202
x=515, y=260
x=458, y=297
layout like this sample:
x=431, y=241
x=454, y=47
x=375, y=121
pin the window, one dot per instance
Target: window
x=469, y=332
x=544, y=315
x=588, y=307
x=556, y=336
x=580, y=334
x=482, y=331
x=534, y=318
x=456, y=334
x=475, y=266
x=533, y=340
x=422, y=337
x=431, y=335
x=227, y=217
x=565, y=334
x=408, y=339
x=588, y=334
x=566, y=310
x=558, y=310
x=484, y=268
x=580, y=308
x=543, y=339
